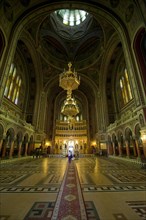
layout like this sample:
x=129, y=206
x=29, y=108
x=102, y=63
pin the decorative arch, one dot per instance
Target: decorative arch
x=2, y=43
x=138, y=139
x=10, y=134
x=109, y=138
x=128, y=134
x=114, y=138
x=139, y=46
x=137, y=131
x=113, y=54
x=19, y=136
x=120, y=137
x=31, y=80
x=141, y=120
x=1, y=131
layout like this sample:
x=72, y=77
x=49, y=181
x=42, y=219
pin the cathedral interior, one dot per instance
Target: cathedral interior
x=73, y=78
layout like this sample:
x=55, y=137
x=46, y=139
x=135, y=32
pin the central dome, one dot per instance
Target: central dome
x=61, y=42
x=71, y=17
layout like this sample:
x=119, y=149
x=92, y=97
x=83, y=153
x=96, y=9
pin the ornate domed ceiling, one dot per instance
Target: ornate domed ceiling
x=63, y=43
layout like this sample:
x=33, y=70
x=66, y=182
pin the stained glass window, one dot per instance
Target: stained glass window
x=13, y=85
x=125, y=87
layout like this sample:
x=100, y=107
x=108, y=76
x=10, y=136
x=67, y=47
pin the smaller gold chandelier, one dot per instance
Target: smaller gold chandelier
x=69, y=80
x=70, y=107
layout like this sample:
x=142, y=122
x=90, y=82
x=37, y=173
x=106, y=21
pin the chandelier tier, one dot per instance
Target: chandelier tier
x=70, y=107
x=69, y=80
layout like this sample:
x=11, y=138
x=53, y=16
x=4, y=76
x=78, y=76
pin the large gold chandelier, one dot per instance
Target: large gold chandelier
x=69, y=81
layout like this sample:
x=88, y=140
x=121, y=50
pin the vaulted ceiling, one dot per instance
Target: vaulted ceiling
x=48, y=45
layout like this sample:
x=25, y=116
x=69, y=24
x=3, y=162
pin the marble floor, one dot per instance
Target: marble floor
x=115, y=188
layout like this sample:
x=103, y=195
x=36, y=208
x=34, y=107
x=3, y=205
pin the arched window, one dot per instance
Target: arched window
x=13, y=85
x=122, y=86
x=128, y=88
x=125, y=87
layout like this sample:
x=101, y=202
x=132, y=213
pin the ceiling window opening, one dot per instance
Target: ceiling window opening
x=71, y=17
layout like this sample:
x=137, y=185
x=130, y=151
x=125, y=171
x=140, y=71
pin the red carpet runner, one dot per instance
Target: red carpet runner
x=70, y=204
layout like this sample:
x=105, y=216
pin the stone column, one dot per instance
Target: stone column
x=11, y=149
x=144, y=148
x=137, y=149
x=110, y=148
x=143, y=137
x=127, y=148
x=5, y=141
x=134, y=148
x=42, y=114
x=1, y=141
x=120, y=148
x=26, y=148
x=30, y=149
x=19, y=148
x=114, y=150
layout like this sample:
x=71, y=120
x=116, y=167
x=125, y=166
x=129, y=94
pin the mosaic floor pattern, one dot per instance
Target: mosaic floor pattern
x=46, y=171
x=33, y=186
x=115, y=173
x=43, y=210
x=139, y=207
x=70, y=203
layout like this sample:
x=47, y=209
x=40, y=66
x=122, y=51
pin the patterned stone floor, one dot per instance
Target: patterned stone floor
x=116, y=189
x=44, y=210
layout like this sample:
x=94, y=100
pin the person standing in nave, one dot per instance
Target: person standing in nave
x=69, y=156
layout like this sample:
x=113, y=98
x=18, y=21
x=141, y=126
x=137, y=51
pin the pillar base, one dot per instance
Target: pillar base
x=139, y=159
